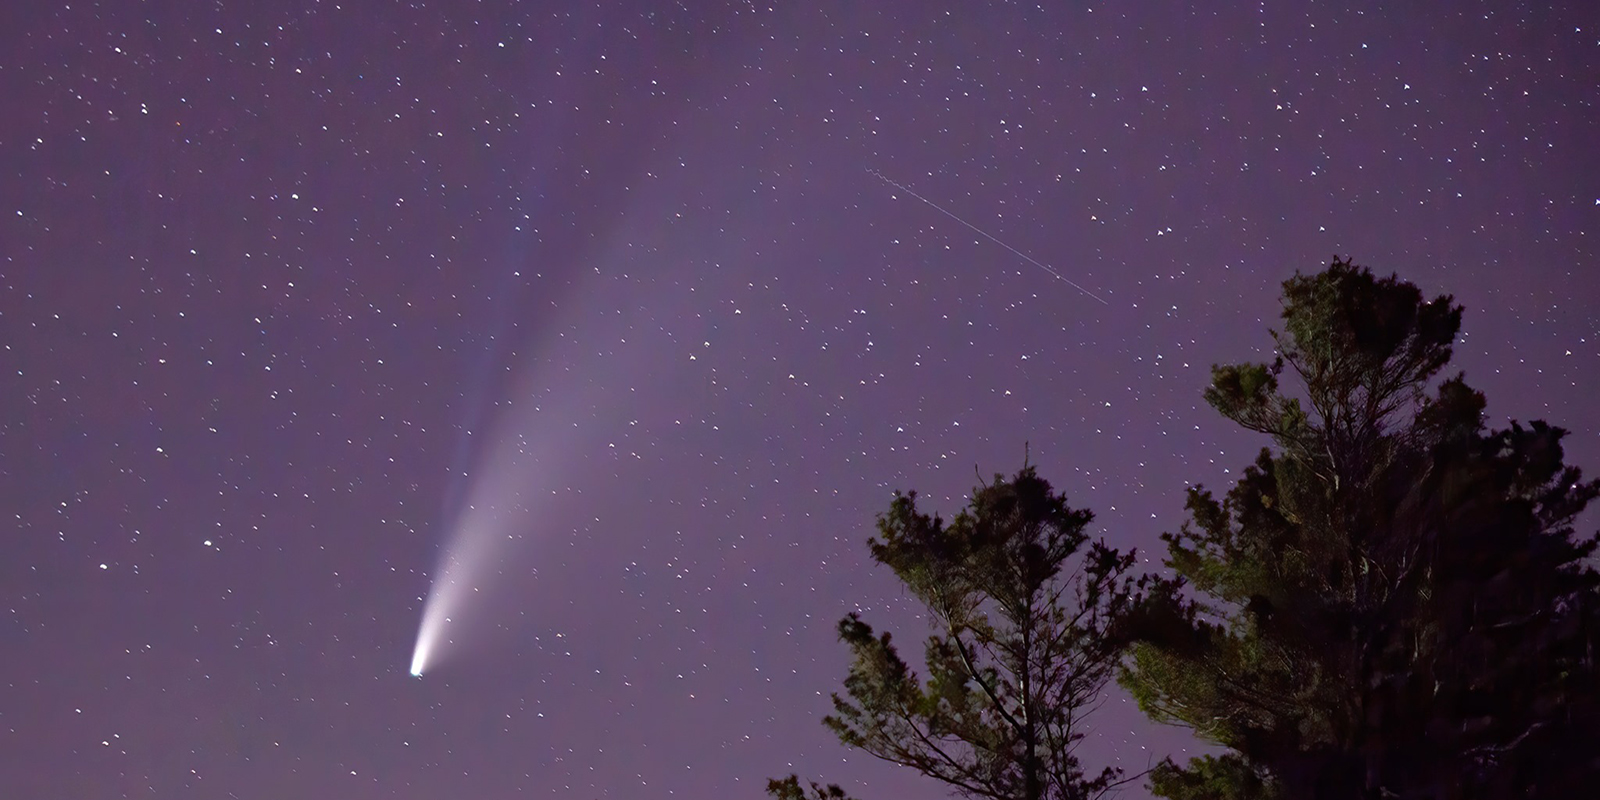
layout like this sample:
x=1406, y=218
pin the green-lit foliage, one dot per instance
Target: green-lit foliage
x=1391, y=601
x=1025, y=611
x=1227, y=777
x=790, y=789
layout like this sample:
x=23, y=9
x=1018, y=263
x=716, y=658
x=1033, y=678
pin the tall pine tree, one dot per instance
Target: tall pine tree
x=1025, y=610
x=1391, y=602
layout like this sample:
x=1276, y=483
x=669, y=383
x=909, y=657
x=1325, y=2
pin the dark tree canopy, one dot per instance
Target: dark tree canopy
x=1025, y=609
x=1392, y=601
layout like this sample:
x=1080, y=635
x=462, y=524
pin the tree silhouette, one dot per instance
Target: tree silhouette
x=1021, y=650
x=1391, y=602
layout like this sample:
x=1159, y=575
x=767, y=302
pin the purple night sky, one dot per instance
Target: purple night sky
x=289, y=289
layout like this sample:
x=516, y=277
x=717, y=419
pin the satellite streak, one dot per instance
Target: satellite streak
x=985, y=234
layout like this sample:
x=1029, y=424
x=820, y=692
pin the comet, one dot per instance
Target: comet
x=495, y=525
x=484, y=537
x=436, y=617
x=541, y=432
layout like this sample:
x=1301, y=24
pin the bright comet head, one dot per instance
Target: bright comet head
x=489, y=527
x=429, y=632
x=465, y=566
x=419, y=656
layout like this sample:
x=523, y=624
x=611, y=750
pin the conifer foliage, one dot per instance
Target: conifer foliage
x=1392, y=601
x=1025, y=610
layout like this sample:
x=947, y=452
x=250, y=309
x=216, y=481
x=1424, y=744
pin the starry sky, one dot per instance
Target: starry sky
x=655, y=304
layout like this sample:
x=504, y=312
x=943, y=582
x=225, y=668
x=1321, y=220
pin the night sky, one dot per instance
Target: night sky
x=296, y=297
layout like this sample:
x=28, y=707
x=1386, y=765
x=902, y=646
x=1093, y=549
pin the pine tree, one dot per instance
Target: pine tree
x=1021, y=651
x=1391, y=602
